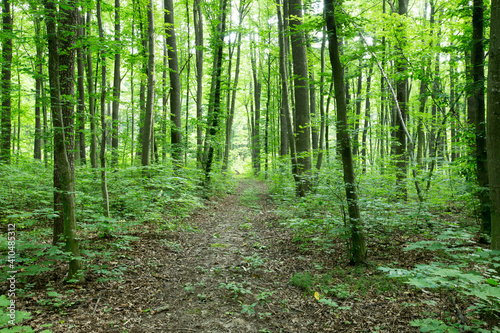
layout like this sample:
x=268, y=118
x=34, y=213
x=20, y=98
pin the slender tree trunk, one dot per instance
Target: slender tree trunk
x=217, y=78
x=198, y=32
x=102, y=154
x=367, y=118
x=355, y=140
x=285, y=99
x=62, y=81
x=6, y=73
x=478, y=95
x=257, y=94
x=494, y=123
x=148, y=119
x=90, y=84
x=37, y=154
x=81, y=93
x=358, y=244
x=175, y=86
x=116, y=88
x=302, y=119
x=402, y=97
x=319, y=161
x=242, y=10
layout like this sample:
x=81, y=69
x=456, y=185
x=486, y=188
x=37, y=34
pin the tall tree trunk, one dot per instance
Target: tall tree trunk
x=217, y=78
x=90, y=84
x=494, y=123
x=301, y=88
x=102, y=154
x=358, y=244
x=148, y=119
x=175, y=86
x=257, y=94
x=61, y=82
x=319, y=161
x=355, y=139
x=480, y=126
x=6, y=123
x=367, y=118
x=116, y=88
x=402, y=97
x=38, y=88
x=198, y=33
x=242, y=11
x=81, y=93
x=285, y=99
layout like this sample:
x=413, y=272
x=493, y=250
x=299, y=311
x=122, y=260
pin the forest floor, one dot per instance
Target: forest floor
x=232, y=273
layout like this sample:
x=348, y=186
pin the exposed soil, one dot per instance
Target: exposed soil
x=239, y=258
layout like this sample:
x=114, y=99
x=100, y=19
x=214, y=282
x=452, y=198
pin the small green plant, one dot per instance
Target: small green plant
x=245, y=226
x=236, y=288
x=219, y=245
x=173, y=246
x=255, y=260
x=249, y=309
x=302, y=281
x=189, y=287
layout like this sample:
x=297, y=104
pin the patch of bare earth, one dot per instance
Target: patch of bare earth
x=232, y=275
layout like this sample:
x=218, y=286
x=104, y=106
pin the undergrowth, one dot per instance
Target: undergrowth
x=444, y=228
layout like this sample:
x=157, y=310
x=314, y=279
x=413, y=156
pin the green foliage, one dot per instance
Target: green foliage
x=12, y=318
x=236, y=288
x=303, y=281
x=437, y=276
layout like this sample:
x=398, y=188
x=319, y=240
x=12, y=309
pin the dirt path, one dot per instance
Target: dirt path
x=227, y=268
x=231, y=274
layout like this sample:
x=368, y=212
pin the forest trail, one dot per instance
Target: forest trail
x=230, y=273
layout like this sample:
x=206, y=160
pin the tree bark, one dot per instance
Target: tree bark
x=216, y=79
x=38, y=88
x=6, y=76
x=102, y=154
x=90, y=87
x=198, y=32
x=148, y=119
x=358, y=245
x=480, y=127
x=402, y=97
x=81, y=93
x=63, y=170
x=175, y=86
x=494, y=123
x=301, y=88
x=116, y=88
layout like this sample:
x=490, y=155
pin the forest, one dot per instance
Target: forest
x=250, y=166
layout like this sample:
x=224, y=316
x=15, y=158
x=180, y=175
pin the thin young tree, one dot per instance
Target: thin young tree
x=219, y=32
x=116, y=87
x=102, y=153
x=147, y=132
x=358, y=244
